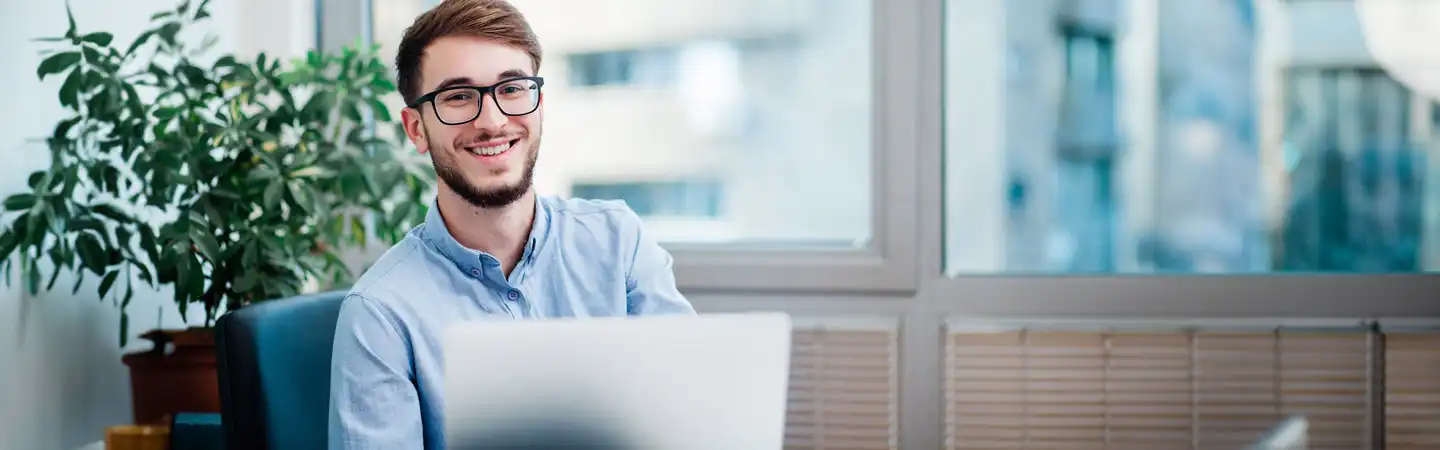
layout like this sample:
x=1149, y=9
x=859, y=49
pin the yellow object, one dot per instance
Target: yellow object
x=137, y=437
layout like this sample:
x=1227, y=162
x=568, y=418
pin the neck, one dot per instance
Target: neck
x=501, y=232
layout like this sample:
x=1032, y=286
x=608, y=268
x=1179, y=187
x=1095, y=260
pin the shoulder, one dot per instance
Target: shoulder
x=397, y=270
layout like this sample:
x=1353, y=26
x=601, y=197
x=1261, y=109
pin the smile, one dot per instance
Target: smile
x=492, y=149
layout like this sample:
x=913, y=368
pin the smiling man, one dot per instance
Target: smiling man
x=490, y=247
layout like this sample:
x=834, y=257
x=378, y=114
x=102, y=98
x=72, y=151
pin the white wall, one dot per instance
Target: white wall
x=61, y=379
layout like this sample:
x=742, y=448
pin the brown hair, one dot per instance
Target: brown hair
x=496, y=20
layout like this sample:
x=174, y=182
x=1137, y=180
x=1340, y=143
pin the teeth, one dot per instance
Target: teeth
x=491, y=150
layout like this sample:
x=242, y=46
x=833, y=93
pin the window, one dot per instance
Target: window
x=1148, y=142
x=775, y=101
x=694, y=199
x=645, y=68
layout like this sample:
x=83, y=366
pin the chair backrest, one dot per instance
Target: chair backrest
x=274, y=369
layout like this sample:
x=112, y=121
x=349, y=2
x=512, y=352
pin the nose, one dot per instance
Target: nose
x=490, y=116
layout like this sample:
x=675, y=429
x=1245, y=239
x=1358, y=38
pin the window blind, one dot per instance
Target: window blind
x=843, y=388
x=1184, y=389
x=1412, y=391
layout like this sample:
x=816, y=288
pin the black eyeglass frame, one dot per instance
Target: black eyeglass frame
x=484, y=90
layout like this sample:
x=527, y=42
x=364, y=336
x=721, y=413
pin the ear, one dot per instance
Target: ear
x=415, y=128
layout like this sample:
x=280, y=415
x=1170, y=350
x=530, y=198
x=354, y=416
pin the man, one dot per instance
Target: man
x=490, y=248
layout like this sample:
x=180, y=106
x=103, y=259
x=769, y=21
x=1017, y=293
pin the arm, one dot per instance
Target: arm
x=373, y=404
x=650, y=283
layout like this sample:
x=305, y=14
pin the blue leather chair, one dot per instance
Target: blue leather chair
x=274, y=366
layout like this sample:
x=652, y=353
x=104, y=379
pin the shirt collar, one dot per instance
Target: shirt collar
x=472, y=261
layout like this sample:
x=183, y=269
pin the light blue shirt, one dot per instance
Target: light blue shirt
x=584, y=258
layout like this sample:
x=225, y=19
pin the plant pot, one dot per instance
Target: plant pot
x=178, y=375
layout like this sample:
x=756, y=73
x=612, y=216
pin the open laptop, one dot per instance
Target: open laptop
x=694, y=382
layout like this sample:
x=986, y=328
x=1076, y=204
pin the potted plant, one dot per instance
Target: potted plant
x=228, y=180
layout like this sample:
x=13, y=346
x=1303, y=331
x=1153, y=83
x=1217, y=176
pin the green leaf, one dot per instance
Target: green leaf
x=139, y=41
x=124, y=327
x=182, y=277
x=132, y=99
x=352, y=112
x=381, y=112
x=194, y=75
x=111, y=211
x=62, y=130
x=70, y=90
x=357, y=231
x=168, y=32
x=89, y=223
x=383, y=85
x=8, y=241
x=92, y=56
x=207, y=245
x=54, y=276
x=319, y=105
x=70, y=17
x=144, y=273
x=247, y=281
x=79, y=280
x=57, y=63
x=92, y=254
x=108, y=282
x=147, y=243
x=20, y=202
x=32, y=277
x=272, y=196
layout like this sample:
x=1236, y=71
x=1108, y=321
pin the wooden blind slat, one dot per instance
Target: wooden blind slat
x=1157, y=390
x=842, y=390
x=1412, y=391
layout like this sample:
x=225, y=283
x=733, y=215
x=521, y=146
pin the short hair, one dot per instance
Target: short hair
x=495, y=20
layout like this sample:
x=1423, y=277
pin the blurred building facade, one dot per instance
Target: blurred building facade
x=1276, y=143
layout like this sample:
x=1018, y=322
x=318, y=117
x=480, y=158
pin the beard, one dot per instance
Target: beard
x=448, y=170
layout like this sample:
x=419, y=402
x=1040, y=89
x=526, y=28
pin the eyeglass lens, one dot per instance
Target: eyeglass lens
x=515, y=98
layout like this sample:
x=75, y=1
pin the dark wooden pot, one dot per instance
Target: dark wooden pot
x=177, y=376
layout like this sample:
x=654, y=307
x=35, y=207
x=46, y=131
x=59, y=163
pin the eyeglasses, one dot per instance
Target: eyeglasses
x=457, y=105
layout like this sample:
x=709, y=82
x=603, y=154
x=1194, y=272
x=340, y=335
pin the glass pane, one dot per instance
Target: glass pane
x=718, y=121
x=1198, y=136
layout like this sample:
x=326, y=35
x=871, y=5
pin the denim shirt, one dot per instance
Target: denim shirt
x=584, y=258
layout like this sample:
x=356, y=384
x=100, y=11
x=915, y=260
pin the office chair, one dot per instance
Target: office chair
x=274, y=368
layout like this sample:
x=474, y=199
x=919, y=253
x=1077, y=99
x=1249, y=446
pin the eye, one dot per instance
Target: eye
x=458, y=97
x=510, y=89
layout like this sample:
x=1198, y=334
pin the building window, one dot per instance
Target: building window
x=1356, y=177
x=649, y=67
x=1085, y=209
x=687, y=199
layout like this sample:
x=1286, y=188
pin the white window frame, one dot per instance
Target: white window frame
x=1141, y=295
x=888, y=260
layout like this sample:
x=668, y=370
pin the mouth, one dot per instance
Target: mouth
x=492, y=149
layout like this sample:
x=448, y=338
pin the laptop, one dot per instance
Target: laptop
x=710, y=382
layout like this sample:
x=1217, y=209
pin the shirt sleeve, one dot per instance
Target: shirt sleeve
x=650, y=284
x=373, y=403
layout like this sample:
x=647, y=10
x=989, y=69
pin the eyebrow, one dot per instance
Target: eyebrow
x=467, y=81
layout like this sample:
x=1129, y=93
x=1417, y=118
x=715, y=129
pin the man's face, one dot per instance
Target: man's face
x=489, y=162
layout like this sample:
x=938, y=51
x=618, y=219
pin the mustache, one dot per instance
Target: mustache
x=469, y=141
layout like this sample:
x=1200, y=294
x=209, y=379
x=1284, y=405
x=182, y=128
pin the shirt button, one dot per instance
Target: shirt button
x=514, y=295
x=475, y=272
